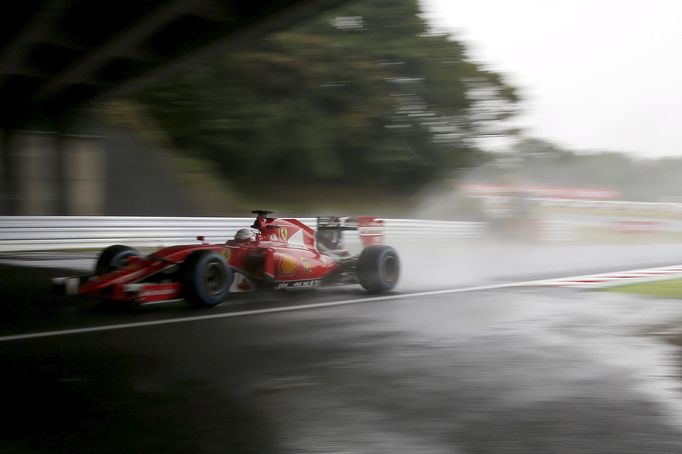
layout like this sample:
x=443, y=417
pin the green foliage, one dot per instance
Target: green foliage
x=362, y=95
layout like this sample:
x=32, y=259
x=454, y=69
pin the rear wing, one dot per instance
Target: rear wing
x=330, y=230
x=371, y=230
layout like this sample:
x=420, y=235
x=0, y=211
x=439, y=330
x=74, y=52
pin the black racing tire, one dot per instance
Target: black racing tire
x=378, y=268
x=206, y=279
x=113, y=258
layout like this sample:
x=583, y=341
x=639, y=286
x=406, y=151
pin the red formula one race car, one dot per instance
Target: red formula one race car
x=276, y=254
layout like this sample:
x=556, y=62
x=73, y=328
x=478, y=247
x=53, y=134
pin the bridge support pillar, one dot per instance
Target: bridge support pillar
x=6, y=189
x=84, y=174
x=46, y=174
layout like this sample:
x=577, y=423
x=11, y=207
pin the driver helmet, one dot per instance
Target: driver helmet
x=243, y=235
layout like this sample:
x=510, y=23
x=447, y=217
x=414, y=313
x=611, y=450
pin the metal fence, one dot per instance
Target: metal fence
x=36, y=233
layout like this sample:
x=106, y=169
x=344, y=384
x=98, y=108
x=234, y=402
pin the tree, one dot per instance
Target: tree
x=365, y=94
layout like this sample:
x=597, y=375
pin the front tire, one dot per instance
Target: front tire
x=206, y=279
x=113, y=258
x=378, y=268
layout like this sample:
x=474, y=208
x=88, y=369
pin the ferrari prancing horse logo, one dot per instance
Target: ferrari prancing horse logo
x=283, y=233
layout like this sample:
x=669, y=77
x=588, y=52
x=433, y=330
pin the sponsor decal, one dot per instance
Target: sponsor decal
x=158, y=292
x=283, y=233
x=300, y=284
x=287, y=265
x=306, y=265
x=273, y=237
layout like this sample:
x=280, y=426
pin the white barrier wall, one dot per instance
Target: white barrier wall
x=36, y=233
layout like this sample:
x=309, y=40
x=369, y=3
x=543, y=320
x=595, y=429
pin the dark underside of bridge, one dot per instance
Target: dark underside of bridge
x=57, y=55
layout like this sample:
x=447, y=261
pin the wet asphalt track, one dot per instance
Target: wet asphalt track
x=491, y=371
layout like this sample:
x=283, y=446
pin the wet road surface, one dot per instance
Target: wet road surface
x=492, y=371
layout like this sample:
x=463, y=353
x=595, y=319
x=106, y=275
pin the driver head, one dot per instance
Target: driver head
x=243, y=235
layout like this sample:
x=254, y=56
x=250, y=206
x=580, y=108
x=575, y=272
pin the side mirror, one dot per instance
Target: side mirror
x=202, y=238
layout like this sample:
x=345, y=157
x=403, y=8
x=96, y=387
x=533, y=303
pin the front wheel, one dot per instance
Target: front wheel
x=206, y=279
x=378, y=268
x=113, y=258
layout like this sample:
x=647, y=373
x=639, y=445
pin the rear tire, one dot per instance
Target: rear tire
x=113, y=258
x=378, y=268
x=206, y=279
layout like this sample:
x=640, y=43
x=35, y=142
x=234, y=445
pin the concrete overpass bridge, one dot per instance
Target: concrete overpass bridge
x=59, y=56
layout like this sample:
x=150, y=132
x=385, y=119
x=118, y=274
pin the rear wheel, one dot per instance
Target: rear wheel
x=113, y=258
x=378, y=268
x=206, y=279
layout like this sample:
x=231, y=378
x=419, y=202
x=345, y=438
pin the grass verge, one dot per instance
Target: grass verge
x=669, y=288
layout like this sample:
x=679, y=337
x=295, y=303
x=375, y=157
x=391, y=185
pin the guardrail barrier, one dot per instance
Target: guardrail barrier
x=37, y=233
